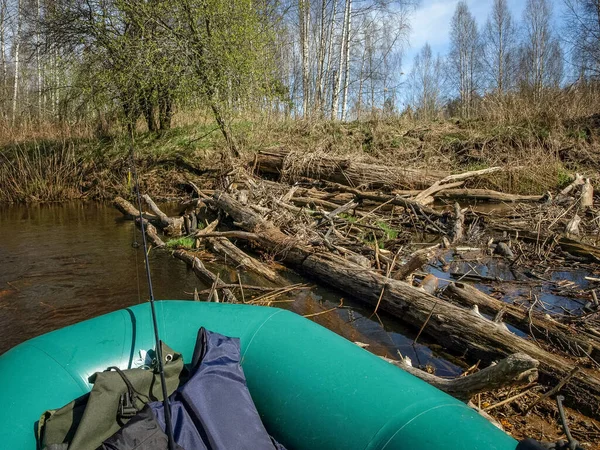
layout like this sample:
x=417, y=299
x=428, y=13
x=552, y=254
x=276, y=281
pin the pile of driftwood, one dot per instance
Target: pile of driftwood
x=350, y=227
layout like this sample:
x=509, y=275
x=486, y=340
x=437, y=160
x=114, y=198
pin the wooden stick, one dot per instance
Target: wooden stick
x=486, y=195
x=230, y=234
x=510, y=399
x=555, y=389
x=425, y=323
x=241, y=287
x=203, y=273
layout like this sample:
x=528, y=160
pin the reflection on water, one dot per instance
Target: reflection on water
x=63, y=263
x=60, y=264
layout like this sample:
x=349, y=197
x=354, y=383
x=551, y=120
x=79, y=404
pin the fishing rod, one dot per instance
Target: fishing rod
x=158, y=342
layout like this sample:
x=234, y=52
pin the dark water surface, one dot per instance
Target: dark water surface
x=63, y=263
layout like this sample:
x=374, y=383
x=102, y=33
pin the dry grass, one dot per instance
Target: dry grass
x=540, y=144
x=536, y=158
x=42, y=174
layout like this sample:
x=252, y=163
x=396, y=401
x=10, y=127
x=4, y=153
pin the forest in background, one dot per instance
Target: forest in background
x=101, y=63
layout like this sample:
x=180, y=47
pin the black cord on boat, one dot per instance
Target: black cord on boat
x=573, y=444
x=161, y=369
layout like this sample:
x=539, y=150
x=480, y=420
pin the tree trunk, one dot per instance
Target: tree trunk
x=38, y=43
x=225, y=248
x=516, y=370
x=4, y=91
x=349, y=172
x=360, y=86
x=304, y=11
x=172, y=226
x=348, y=19
x=320, y=61
x=165, y=108
x=337, y=83
x=226, y=130
x=17, y=44
x=327, y=75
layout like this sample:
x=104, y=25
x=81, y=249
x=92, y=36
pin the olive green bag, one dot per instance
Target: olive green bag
x=115, y=397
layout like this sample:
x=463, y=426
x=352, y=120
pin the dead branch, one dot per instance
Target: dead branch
x=486, y=195
x=172, y=226
x=205, y=275
x=451, y=181
x=517, y=369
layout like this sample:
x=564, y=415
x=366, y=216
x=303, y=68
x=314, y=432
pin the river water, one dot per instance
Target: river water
x=64, y=263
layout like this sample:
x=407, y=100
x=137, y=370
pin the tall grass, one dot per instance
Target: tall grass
x=41, y=173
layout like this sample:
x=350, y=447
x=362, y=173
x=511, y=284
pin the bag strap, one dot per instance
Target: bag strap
x=127, y=406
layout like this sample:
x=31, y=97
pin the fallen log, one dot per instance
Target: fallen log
x=204, y=274
x=151, y=233
x=459, y=329
x=222, y=246
x=343, y=170
x=225, y=248
x=518, y=369
x=396, y=200
x=486, y=195
x=172, y=226
x=131, y=213
x=532, y=322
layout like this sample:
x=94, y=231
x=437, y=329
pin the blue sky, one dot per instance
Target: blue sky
x=431, y=23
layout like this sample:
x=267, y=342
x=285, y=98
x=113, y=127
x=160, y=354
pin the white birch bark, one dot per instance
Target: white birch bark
x=327, y=75
x=38, y=61
x=4, y=91
x=304, y=10
x=321, y=60
x=17, y=44
x=337, y=82
x=347, y=58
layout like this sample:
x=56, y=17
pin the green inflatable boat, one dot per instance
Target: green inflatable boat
x=313, y=389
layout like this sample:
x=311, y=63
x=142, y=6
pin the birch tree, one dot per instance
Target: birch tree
x=465, y=56
x=322, y=48
x=348, y=25
x=304, y=11
x=426, y=84
x=38, y=44
x=4, y=68
x=582, y=33
x=16, y=46
x=337, y=78
x=540, y=62
x=500, y=44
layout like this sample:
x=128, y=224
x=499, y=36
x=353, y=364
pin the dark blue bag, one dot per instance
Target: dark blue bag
x=212, y=411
